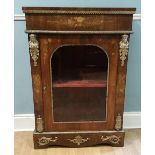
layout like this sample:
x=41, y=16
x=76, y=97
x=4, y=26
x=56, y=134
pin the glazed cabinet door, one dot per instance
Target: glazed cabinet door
x=79, y=74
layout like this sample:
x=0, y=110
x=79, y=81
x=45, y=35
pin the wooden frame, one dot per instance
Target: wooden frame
x=50, y=28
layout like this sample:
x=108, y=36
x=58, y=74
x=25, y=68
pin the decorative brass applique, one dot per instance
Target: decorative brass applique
x=118, y=123
x=112, y=139
x=79, y=12
x=78, y=140
x=123, y=51
x=34, y=51
x=44, y=140
x=78, y=32
x=40, y=127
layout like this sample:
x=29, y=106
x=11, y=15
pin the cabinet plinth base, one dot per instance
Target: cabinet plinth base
x=78, y=139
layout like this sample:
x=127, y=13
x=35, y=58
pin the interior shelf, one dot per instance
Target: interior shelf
x=94, y=79
x=80, y=83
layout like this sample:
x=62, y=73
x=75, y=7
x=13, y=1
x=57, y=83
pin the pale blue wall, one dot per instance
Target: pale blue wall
x=133, y=83
x=77, y=3
x=23, y=87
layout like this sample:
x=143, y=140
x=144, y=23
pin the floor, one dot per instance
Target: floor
x=24, y=146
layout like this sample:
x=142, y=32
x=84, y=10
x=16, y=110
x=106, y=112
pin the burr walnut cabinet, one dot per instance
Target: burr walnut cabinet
x=78, y=63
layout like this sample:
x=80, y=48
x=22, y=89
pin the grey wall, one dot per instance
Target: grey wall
x=23, y=85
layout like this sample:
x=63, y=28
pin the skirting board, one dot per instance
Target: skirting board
x=25, y=122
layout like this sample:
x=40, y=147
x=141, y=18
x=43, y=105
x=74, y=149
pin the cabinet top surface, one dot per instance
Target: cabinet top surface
x=78, y=10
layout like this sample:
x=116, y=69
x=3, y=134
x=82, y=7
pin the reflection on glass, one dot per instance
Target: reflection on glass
x=79, y=83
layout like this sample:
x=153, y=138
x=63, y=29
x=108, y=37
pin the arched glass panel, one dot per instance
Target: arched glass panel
x=79, y=83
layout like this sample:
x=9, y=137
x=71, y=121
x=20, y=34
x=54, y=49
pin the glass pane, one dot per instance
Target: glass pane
x=79, y=83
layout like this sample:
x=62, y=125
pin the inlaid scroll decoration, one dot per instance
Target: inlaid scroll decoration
x=118, y=123
x=34, y=48
x=44, y=140
x=76, y=21
x=78, y=140
x=40, y=127
x=112, y=139
x=124, y=46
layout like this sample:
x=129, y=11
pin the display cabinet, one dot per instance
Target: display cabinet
x=78, y=63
